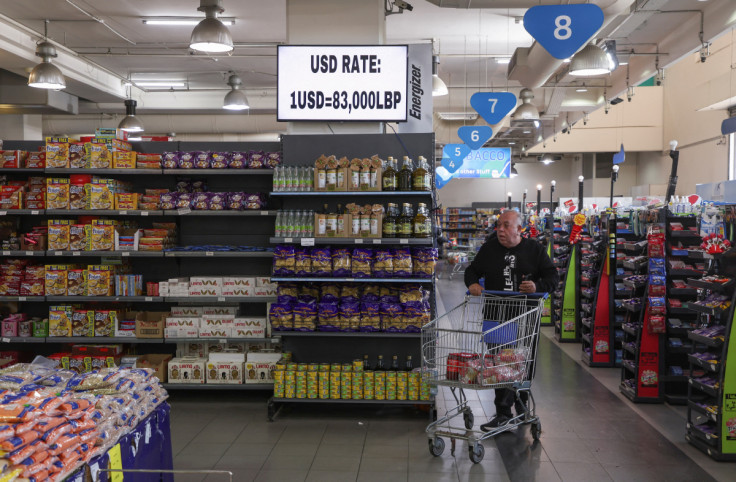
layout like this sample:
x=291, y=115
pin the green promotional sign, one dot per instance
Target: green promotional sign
x=728, y=417
x=547, y=307
x=568, y=328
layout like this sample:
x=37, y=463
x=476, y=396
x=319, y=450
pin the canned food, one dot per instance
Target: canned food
x=280, y=366
x=279, y=375
x=357, y=365
x=368, y=394
x=402, y=377
x=291, y=366
x=302, y=367
x=336, y=367
x=347, y=367
x=312, y=367
x=286, y=356
x=324, y=367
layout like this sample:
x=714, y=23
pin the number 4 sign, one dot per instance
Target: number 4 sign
x=563, y=29
x=453, y=156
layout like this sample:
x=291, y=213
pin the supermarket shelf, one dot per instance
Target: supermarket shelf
x=196, y=212
x=216, y=386
x=682, y=291
x=18, y=254
x=102, y=212
x=21, y=298
x=702, y=436
x=350, y=193
x=29, y=212
x=22, y=169
x=698, y=283
x=222, y=172
x=351, y=401
x=125, y=254
x=684, y=234
x=219, y=340
x=122, y=299
x=348, y=334
x=218, y=254
x=52, y=170
x=705, y=340
x=707, y=366
x=708, y=310
x=418, y=241
x=358, y=280
x=220, y=299
x=713, y=392
x=699, y=409
x=101, y=339
x=22, y=339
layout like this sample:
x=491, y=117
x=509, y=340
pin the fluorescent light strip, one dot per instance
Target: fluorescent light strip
x=503, y=60
x=144, y=83
x=190, y=21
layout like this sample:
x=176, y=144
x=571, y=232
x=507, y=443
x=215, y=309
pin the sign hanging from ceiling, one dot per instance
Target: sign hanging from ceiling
x=563, y=29
x=474, y=136
x=342, y=83
x=493, y=106
x=487, y=162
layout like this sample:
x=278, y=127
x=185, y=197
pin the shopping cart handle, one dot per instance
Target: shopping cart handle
x=513, y=293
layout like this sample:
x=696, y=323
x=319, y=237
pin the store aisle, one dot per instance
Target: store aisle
x=588, y=435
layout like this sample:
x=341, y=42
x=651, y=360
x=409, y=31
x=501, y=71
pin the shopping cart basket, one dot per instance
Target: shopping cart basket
x=486, y=342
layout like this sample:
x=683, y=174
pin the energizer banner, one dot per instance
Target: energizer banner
x=342, y=83
x=419, y=91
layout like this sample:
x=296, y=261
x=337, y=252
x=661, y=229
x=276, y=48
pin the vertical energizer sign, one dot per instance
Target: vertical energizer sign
x=416, y=92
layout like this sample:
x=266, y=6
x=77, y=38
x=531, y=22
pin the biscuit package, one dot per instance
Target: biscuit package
x=98, y=156
x=57, y=152
x=59, y=234
x=60, y=320
x=76, y=282
x=99, y=195
x=83, y=322
x=57, y=193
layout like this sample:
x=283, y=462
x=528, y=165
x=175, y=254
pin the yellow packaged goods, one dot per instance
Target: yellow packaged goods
x=58, y=234
x=368, y=385
x=57, y=194
x=77, y=237
x=98, y=156
x=77, y=199
x=56, y=279
x=99, y=196
x=124, y=160
x=76, y=155
x=126, y=201
x=99, y=283
x=83, y=322
x=76, y=282
x=379, y=387
x=358, y=390
x=100, y=237
x=335, y=385
x=346, y=385
x=60, y=321
x=57, y=152
x=105, y=322
x=324, y=384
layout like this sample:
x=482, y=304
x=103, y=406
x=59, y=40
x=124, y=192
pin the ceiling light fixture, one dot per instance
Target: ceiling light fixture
x=130, y=122
x=566, y=61
x=583, y=88
x=457, y=116
x=160, y=83
x=210, y=35
x=547, y=159
x=513, y=172
x=46, y=75
x=178, y=21
x=609, y=47
x=438, y=85
x=235, y=99
x=590, y=62
x=527, y=132
x=503, y=60
x=526, y=111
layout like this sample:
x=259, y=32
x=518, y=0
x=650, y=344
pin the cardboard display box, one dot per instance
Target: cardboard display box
x=259, y=367
x=150, y=324
x=159, y=364
x=187, y=370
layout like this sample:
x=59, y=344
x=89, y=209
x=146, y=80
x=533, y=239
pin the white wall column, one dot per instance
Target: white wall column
x=21, y=127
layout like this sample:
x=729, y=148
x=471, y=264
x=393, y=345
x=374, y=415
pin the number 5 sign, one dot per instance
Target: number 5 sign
x=563, y=29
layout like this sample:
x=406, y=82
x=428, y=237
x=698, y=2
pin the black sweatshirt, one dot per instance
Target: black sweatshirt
x=505, y=268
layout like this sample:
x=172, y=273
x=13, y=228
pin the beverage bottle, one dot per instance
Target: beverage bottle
x=379, y=365
x=298, y=225
x=405, y=222
x=310, y=179
x=366, y=365
x=282, y=179
x=279, y=230
x=305, y=179
x=389, y=180
x=395, y=364
x=289, y=179
x=290, y=225
x=310, y=225
x=409, y=365
x=420, y=177
x=276, y=178
x=389, y=221
x=405, y=175
x=422, y=224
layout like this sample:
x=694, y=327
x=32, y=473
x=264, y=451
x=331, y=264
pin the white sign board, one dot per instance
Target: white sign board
x=342, y=83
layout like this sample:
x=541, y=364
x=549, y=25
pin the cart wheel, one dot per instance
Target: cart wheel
x=434, y=414
x=476, y=453
x=536, y=430
x=436, y=446
x=469, y=419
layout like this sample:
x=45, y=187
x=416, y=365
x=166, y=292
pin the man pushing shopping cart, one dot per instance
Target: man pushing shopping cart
x=489, y=341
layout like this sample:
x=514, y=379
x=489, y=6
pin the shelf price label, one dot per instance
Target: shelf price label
x=342, y=83
x=6, y=340
x=307, y=241
x=123, y=213
x=183, y=211
x=3, y=213
x=144, y=213
x=6, y=253
x=209, y=253
x=563, y=29
x=35, y=212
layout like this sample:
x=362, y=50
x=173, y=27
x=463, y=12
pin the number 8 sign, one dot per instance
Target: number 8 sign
x=563, y=29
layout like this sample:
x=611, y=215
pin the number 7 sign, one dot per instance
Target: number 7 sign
x=493, y=106
x=563, y=29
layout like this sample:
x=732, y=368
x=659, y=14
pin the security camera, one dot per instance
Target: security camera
x=704, y=51
x=629, y=93
x=403, y=5
x=608, y=106
x=659, y=77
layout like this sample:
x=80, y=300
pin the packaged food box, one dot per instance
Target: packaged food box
x=193, y=349
x=150, y=324
x=249, y=327
x=181, y=332
x=185, y=310
x=83, y=322
x=60, y=320
x=57, y=194
x=100, y=237
x=111, y=133
x=228, y=347
x=36, y=160
x=205, y=286
x=215, y=332
x=78, y=237
x=99, y=196
x=219, y=310
x=13, y=159
x=124, y=160
x=260, y=291
x=148, y=161
x=210, y=321
x=187, y=370
x=77, y=159
x=157, y=362
x=182, y=321
x=57, y=152
x=105, y=321
x=59, y=232
x=76, y=282
x=126, y=201
x=265, y=282
x=224, y=371
x=55, y=281
x=41, y=328
x=99, y=283
x=98, y=156
x=259, y=367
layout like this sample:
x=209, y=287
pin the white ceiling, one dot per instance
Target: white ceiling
x=468, y=40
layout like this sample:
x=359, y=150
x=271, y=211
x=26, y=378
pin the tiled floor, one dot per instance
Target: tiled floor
x=589, y=434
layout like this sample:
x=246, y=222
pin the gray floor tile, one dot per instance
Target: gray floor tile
x=249, y=450
x=189, y=478
x=567, y=450
x=204, y=449
x=382, y=477
x=427, y=463
x=230, y=462
x=287, y=462
x=239, y=475
x=384, y=464
x=198, y=462
x=341, y=451
x=535, y=471
x=581, y=472
x=281, y=475
x=332, y=476
x=433, y=477
x=294, y=450
x=385, y=451
x=336, y=462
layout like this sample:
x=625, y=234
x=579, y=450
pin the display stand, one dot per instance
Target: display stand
x=329, y=347
x=560, y=259
x=568, y=328
x=547, y=312
x=600, y=351
x=711, y=414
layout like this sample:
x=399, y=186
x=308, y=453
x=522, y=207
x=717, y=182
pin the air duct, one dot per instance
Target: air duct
x=17, y=98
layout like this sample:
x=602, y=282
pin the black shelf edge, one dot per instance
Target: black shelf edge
x=705, y=309
x=222, y=172
x=707, y=366
x=702, y=436
x=344, y=334
x=698, y=283
x=21, y=253
x=273, y=339
x=353, y=401
x=101, y=339
x=119, y=299
x=350, y=193
x=22, y=339
x=704, y=340
x=111, y=171
x=225, y=213
x=220, y=299
x=22, y=212
x=102, y=212
x=122, y=254
x=684, y=234
x=713, y=392
x=354, y=280
x=682, y=291
x=711, y=416
x=21, y=299
x=358, y=241
x=217, y=386
x=218, y=254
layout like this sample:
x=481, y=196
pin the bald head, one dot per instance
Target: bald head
x=508, y=228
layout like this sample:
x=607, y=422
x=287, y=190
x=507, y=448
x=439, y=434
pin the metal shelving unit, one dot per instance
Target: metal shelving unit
x=358, y=241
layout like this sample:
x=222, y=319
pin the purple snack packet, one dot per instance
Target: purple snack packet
x=236, y=201
x=391, y=316
x=341, y=265
x=256, y=159
x=217, y=201
x=200, y=201
x=184, y=200
x=273, y=159
x=328, y=314
x=349, y=316
x=254, y=201
x=237, y=160
x=186, y=160
x=362, y=263
x=168, y=200
x=170, y=160
x=281, y=316
x=322, y=262
x=305, y=316
x=370, y=316
x=219, y=160
x=303, y=261
x=283, y=260
x=202, y=160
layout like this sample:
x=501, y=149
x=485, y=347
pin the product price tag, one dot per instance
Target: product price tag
x=29, y=253
x=35, y=212
x=209, y=253
x=376, y=241
x=358, y=241
x=222, y=340
x=3, y=213
x=183, y=211
x=288, y=240
x=58, y=253
x=144, y=213
x=76, y=253
x=149, y=298
x=403, y=241
x=123, y=213
x=125, y=254
x=350, y=280
x=21, y=298
x=307, y=241
x=265, y=213
x=6, y=253
x=6, y=340
x=220, y=298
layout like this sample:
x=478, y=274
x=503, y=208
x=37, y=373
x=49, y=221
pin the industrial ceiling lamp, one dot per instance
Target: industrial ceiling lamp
x=610, y=48
x=590, y=62
x=547, y=159
x=211, y=35
x=130, y=122
x=526, y=111
x=46, y=75
x=438, y=85
x=235, y=99
x=513, y=172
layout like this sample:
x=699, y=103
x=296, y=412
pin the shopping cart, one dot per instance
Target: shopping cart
x=486, y=342
x=460, y=260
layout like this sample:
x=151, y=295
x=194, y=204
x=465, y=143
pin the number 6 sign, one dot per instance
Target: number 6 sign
x=563, y=29
x=474, y=136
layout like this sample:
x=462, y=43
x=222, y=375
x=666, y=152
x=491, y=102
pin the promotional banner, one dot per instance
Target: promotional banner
x=419, y=90
x=568, y=323
x=487, y=162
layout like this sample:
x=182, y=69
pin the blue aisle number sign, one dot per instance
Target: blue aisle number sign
x=453, y=155
x=474, y=136
x=493, y=106
x=563, y=29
